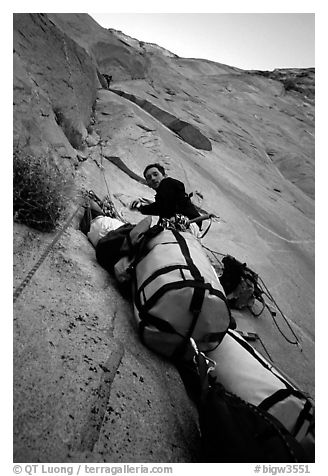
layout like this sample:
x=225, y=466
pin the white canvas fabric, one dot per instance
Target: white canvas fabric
x=100, y=226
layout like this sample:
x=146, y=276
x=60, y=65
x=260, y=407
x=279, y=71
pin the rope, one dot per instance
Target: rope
x=266, y=293
x=270, y=297
x=118, y=215
x=214, y=253
x=102, y=169
x=31, y=273
x=207, y=229
x=265, y=349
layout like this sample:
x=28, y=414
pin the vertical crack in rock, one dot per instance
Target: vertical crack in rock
x=91, y=429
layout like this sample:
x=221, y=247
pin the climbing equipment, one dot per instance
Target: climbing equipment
x=253, y=336
x=177, y=294
x=244, y=288
x=238, y=423
x=31, y=273
x=245, y=372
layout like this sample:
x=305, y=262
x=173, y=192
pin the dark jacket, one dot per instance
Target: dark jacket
x=170, y=199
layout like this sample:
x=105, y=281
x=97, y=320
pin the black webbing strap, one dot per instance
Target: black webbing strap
x=163, y=326
x=196, y=303
x=141, y=247
x=188, y=283
x=195, y=308
x=195, y=271
x=281, y=395
x=157, y=322
x=276, y=397
x=152, y=277
x=306, y=414
x=186, y=254
x=197, y=299
x=252, y=351
x=140, y=253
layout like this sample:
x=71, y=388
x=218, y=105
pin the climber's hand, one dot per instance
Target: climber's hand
x=135, y=204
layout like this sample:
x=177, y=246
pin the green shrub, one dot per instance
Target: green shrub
x=40, y=190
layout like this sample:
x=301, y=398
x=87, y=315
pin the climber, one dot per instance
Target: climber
x=170, y=199
x=108, y=79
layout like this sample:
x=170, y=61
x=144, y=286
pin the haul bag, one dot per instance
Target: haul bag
x=108, y=248
x=234, y=431
x=244, y=372
x=177, y=295
x=120, y=242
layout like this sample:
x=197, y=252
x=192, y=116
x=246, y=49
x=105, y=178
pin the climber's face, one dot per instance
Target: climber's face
x=153, y=177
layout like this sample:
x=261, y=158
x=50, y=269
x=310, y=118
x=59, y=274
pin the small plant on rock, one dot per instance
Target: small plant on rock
x=39, y=189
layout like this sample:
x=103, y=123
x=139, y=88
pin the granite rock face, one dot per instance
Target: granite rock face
x=52, y=106
x=301, y=80
x=186, y=131
x=85, y=388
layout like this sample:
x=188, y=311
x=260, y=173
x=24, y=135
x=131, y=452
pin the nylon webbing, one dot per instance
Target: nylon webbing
x=252, y=351
x=303, y=416
x=156, y=274
x=188, y=283
x=197, y=299
x=279, y=396
x=186, y=253
x=157, y=322
x=195, y=308
x=276, y=397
